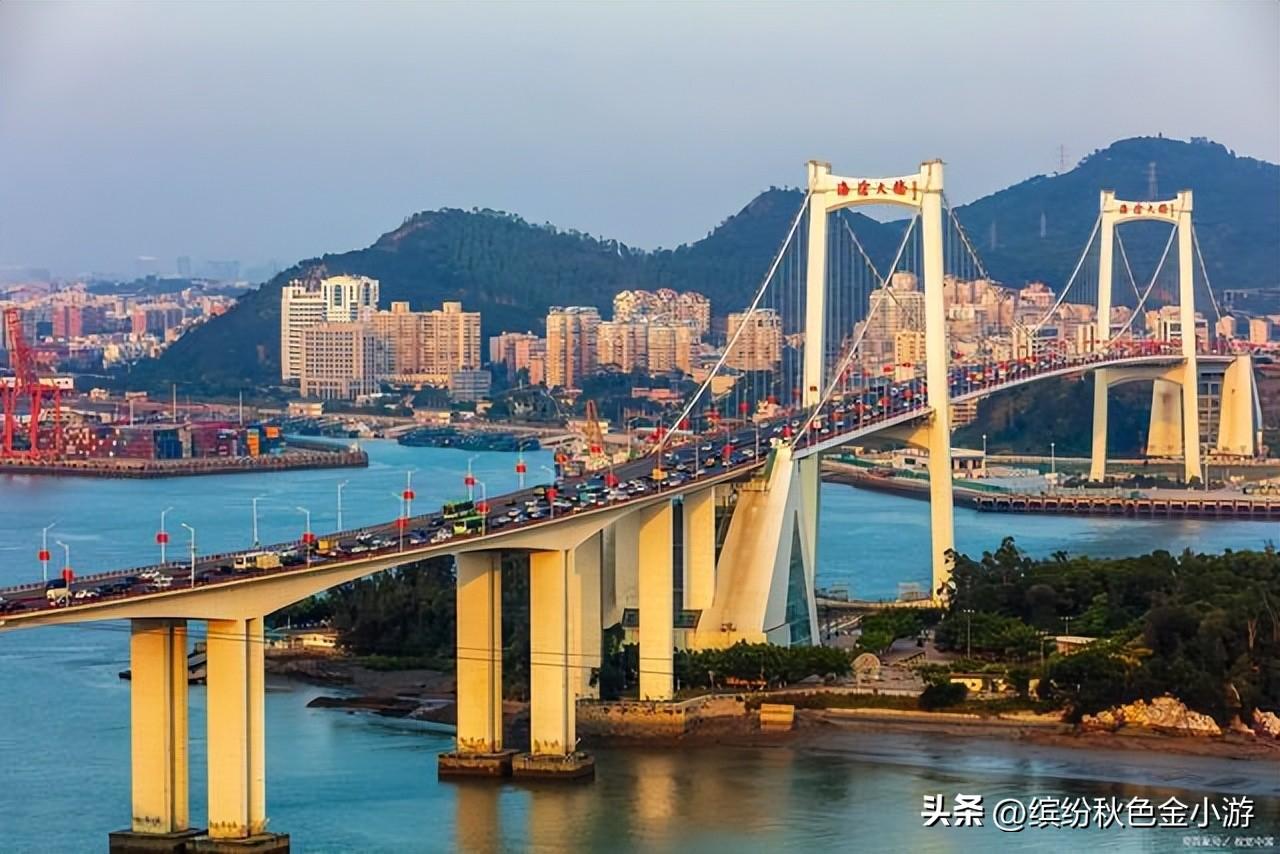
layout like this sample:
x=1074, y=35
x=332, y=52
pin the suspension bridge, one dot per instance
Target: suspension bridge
x=835, y=346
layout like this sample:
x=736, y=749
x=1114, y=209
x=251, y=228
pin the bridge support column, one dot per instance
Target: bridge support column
x=478, y=749
x=237, y=739
x=1187, y=324
x=1164, y=433
x=1238, y=406
x=584, y=609
x=937, y=360
x=621, y=570
x=657, y=633
x=158, y=737
x=552, y=696
x=1098, y=456
x=699, y=549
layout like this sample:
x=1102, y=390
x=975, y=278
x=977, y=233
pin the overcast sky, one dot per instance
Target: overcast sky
x=280, y=131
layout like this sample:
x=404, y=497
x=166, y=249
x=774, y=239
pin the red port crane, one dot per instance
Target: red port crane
x=26, y=386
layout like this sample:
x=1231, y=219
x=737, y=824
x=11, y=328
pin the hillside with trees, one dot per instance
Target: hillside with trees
x=512, y=270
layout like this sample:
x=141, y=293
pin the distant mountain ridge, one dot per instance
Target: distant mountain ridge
x=512, y=270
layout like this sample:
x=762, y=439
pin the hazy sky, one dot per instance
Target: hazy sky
x=280, y=130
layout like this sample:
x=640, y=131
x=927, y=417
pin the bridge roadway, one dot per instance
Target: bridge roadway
x=843, y=420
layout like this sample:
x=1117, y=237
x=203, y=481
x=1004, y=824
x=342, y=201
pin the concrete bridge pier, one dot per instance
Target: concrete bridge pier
x=657, y=605
x=553, y=680
x=699, y=532
x=479, y=750
x=237, y=741
x=1239, y=417
x=158, y=739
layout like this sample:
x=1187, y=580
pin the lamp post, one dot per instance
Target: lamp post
x=408, y=493
x=1053, y=457
x=483, y=508
x=162, y=536
x=66, y=560
x=44, y=551
x=341, y=484
x=470, y=479
x=551, y=493
x=255, y=501
x=307, y=537
x=192, y=531
x=402, y=521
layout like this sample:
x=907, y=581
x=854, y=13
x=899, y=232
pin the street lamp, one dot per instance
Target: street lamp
x=470, y=479
x=551, y=493
x=1053, y=457
x=408, y=493
x=66, y=561
x=44, y=551
x=483, y=508
x=402, y=521
x=192, y=531
x=307, y=537
x=341, y=484
x=162, y=536
x=255, y=501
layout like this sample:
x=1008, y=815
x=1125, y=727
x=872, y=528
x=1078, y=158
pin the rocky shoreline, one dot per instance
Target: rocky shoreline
x=429, y=696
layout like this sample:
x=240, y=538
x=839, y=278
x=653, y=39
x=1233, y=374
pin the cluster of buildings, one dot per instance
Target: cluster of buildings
x=337, y=344
x=70, y=328
x=653, y=332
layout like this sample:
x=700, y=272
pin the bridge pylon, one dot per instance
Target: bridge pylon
x=1175, y=409
x=921, y=192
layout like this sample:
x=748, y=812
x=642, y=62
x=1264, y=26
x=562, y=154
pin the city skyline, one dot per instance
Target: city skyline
x=222, y=176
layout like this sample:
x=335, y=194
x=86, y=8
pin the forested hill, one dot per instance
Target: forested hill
x=512, y=270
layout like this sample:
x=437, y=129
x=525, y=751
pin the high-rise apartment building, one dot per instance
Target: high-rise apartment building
x=429, y=346
x=571, y=344
x=759, y=346
x=302, y=305
x=623, y=344
x=670, y=347
x=1259, y=330
x=341, y=360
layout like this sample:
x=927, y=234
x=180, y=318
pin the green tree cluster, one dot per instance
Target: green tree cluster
x=1204, y=628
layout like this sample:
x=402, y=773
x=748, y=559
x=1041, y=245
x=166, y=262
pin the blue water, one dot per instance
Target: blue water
x=352, y=783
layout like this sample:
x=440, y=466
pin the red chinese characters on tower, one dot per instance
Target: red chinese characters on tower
x=842, y=188
x=864, y=188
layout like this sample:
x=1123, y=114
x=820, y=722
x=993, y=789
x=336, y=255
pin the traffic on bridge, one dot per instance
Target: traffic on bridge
x=686, y=458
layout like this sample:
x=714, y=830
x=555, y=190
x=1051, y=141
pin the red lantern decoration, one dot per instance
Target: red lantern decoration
x=43, y=554
x=469, y=480
x=402, y=523
x=551, y=494
x=786, y=431
x=521, y=468
x=684, y=424
x=67, y=575
x=162, y=537
x=408, y=495
x=744, y=407
x=610, y=479
x=726, y=451
x=308, y=537
x=482, y=507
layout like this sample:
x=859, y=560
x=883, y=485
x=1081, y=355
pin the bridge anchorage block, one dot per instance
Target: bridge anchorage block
x=464, y=764
x=554, y=766
x=261, y=843
x=132, y=842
